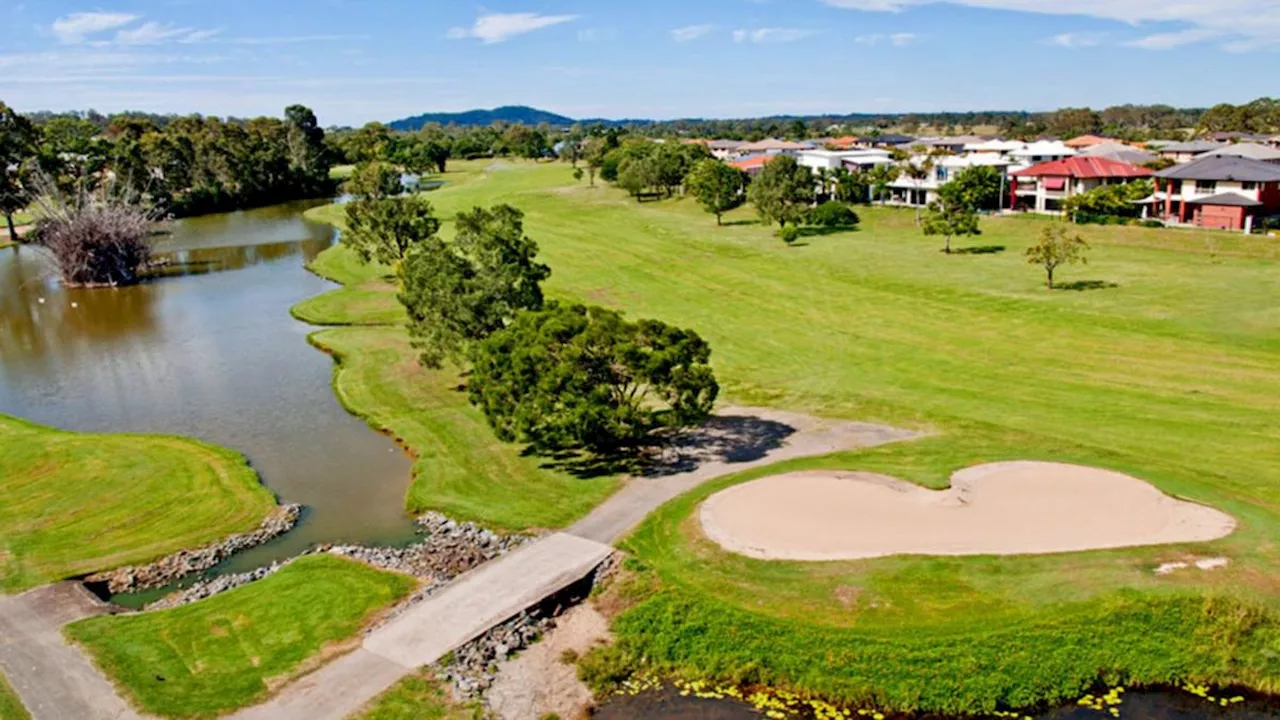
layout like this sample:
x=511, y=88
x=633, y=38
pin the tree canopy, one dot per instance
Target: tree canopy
x=782, y=191
x=717, y=187
x=949, y=216
x=573, y=377
x=460, y=292
x=1057, y=247
x=385, y=229
x=374, y=180
x=977, y=188
x=1107, y=201
x=17, y=143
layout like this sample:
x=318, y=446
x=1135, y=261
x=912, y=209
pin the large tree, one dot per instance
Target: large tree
x=1057, y=247
x=717, y=187
x=375, y=180
x=782, y=191
x=460, y=292
x=977, y=188
x=573, y=377
x=385, y=229
x=17, y=144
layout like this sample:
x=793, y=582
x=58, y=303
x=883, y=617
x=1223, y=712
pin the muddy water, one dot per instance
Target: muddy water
x=209, y=352
x=1137, y=705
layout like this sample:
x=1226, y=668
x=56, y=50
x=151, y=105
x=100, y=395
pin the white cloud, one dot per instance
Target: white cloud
x=772, y=35
x=150, y=33
x=691, y=32
x=1244, y=24
x=901, y=39
x=1074, y=40
x=499, y=27
x=1170, y=40
x=76, y=27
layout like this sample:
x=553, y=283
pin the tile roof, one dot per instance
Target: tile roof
x=1223, y=167
x=754, y=161
x=1086, y=167
x=1119, y=151
x=1085, y=141
x=1226, y=198
x=1195, y=146
x=1247, y=150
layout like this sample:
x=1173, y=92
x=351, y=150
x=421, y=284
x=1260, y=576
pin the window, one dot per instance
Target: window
x=1248, y=186
x=1206, y=187
x=942, y=174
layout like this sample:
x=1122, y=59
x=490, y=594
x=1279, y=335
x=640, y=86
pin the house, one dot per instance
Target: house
x=1040, y=151
x=1044, y=187
x=1187, y=151
x=884, y=140
x=1235, y=137
x=848, y=159
x=752, y=164
x=1120, y=151
x=917, y=192
x=724, y=149
x=995, y=147
x=1086, y=141
x=953, y=144
x=1222, y=191
x=773, y=146
x=848, y=142
x=1253, y=151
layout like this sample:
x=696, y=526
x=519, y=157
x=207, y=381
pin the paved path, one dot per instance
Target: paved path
x=57, y=682
x=54, y=679
x=737, y=439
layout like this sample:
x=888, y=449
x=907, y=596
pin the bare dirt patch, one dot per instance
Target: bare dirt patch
x=539, y=682
x=1008, y=508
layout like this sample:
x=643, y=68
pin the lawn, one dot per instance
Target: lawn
x=73, y=503
x=232, y=650
x=10, y=706
x=417, y=697
x=1162, y=363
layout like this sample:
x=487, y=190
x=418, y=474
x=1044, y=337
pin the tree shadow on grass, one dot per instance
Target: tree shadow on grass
x=739, y=223
x=813, y=231
x=1083, y=285
x=723, y=438
x=979, y=250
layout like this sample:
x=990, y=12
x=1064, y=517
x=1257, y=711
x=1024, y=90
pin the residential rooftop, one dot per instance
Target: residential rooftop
x=1086, y=167
x=1223, y=167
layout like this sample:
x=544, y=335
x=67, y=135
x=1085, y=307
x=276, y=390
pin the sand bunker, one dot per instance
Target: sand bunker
x=1008, y=508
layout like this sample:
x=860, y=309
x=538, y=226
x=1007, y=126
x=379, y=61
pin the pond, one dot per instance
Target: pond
x=210, y=352
x=669, y=704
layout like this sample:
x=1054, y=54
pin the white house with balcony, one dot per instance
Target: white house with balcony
x=917, y=192
x=1040, y=151
x=849, y=159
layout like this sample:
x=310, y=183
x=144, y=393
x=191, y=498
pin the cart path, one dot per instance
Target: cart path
x=53, y=678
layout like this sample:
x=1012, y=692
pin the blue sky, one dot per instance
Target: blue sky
x=360, y=60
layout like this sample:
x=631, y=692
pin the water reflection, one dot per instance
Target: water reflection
x=208, y=350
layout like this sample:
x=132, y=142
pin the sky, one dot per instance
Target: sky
x=355, y=61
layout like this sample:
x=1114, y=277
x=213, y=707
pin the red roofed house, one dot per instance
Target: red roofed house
x=753, y=164
x=1044, y=187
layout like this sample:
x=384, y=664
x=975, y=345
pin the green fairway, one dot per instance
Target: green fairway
x=73, y=503
x=1161, y=362
x=417, y=697
x=231, y=650
x=10, y=707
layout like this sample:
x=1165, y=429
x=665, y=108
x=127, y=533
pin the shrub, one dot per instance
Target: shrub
x=789, y=234
x=833, y=214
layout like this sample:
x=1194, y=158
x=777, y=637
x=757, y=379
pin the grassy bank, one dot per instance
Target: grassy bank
x=1158, y=361
x=73, y=503
x=231, y=650
x=417, y=697
x=10, y=706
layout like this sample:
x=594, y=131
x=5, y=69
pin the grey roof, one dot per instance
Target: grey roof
x=1247, y=150
x=1195, y=146
x=1121, y=152
x=725, y=144
x=1220, y=167
x=889, y=139
x=1226, y=198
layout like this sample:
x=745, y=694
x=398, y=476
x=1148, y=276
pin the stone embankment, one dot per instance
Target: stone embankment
x=448, y=549
x=170, y=569
x=472, y=668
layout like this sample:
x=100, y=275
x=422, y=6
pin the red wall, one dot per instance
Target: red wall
x=1269, y=196
x=1220, y=217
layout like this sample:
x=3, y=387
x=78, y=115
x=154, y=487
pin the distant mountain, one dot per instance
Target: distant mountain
x=508, y=114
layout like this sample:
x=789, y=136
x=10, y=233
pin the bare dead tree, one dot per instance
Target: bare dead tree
x=96, y=238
